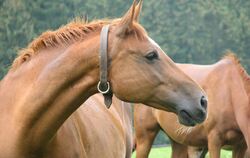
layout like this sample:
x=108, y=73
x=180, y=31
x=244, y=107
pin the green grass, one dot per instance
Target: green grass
x=165, y=152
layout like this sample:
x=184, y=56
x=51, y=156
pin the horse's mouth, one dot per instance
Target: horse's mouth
x=186, y=119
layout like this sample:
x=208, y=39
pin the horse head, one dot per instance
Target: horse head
x=140, y=71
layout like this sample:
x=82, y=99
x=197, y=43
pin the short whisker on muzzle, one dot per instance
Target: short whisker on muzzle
x=184, y=130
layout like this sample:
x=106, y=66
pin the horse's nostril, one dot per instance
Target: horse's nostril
x=204, y=102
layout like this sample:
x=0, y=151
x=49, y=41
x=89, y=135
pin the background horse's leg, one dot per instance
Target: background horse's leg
x=146, y=129
x=214, y=145
x=144, y=142
x=204, y=152
x=239, y=152
x=179, y=150
x=195, y=152
x=246, y=154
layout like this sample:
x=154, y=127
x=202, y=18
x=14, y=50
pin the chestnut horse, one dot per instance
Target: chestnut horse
x=225, y=83
x=60, y=70
x=95, y=131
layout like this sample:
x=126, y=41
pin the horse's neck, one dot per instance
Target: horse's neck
x=197, y=72
x=249, y=94
x=247, y=87
x=45, y=95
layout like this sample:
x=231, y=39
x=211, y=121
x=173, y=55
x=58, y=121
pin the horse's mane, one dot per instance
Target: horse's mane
x=244, y=75
x=73, y=31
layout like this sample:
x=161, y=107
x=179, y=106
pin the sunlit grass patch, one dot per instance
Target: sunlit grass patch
x=165, y=152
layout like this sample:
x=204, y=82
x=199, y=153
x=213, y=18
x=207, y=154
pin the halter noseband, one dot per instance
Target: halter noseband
x=104, y=85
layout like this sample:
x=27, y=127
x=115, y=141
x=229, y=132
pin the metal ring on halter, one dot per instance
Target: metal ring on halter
x=103, y=91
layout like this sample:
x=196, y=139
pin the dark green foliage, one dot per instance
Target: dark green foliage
x=200, y=31
x=189, y=31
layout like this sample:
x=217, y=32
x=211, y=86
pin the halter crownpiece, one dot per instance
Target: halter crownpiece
x=103, y=85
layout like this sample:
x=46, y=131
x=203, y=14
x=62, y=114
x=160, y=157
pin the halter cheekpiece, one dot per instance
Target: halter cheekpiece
x=103, y=85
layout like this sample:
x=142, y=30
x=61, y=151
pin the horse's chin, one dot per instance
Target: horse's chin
x=187, y=122
x=186, y=119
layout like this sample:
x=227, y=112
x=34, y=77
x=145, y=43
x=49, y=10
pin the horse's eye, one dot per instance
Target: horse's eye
x=152, y=56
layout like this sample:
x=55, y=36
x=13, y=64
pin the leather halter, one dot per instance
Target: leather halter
x=104, y=85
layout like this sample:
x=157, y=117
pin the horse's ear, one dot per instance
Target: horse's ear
x=127, y=20
x=138, y=10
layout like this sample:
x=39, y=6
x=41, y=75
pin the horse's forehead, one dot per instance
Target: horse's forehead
x=153, y=42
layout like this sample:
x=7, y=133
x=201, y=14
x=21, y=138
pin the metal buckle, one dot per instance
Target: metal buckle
x=103, y=91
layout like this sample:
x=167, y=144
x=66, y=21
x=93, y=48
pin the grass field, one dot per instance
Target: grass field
x=165, y=152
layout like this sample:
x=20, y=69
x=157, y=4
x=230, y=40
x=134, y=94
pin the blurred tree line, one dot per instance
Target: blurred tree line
x=190, y=31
